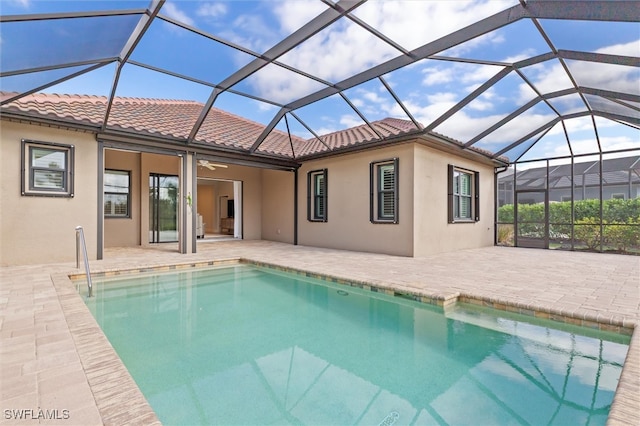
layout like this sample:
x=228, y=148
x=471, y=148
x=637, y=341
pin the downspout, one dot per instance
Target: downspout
x=295, y=207
x=183, y=204
x=194, y=202
x=100, y=236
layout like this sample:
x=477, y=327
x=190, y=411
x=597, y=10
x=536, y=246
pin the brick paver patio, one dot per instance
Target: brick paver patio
x=55, y=361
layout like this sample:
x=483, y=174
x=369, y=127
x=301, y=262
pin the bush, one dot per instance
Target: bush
x=623, y=237
x=620, y=220
x=588, y=231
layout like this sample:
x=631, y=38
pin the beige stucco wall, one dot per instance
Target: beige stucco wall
x=348, y=226
x=125, y=232
x=207, y=205
x=36, y=229
x=277, y=205
x=433, y=233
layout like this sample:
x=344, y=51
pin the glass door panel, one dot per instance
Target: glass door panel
x=531, y=219
x=163, y=208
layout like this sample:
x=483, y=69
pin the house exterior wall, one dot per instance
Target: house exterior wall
x=278, y=206
x=125, y=231
x=37, y=229
x=348, y=226
x=207, y=208
x=433, y=233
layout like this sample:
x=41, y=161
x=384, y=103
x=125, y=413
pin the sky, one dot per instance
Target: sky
x=427, y=88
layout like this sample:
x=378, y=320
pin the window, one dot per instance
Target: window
x=317, y=196
x=464, y=195
x=617, y=196
x=47, y=169
x=117, y=193
x=384, y=191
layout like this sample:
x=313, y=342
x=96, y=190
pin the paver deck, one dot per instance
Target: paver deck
x=55, y=361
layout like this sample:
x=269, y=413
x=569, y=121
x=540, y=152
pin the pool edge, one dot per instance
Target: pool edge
x=624, y=408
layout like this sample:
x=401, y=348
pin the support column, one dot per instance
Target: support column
x=187, y=238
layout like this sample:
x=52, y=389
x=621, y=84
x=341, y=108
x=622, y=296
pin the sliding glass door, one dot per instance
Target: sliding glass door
x=163, y=208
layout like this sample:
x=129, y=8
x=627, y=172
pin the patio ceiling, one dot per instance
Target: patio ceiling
x=523, y=80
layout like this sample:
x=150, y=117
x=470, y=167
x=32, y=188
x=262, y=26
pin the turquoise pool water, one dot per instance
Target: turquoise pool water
x=251, y=346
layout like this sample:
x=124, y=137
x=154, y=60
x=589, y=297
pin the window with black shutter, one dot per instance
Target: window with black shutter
x=384, y=191
x=317, y=196
x=463, y=195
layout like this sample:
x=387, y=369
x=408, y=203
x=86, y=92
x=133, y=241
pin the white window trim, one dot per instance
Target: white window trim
x=127, y=215
x=28, y=187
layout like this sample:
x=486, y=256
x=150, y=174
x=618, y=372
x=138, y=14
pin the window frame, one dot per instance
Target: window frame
x=314, y=200
x=454, y=198
x=127, y=215
x=28, y=185
x=376, y=192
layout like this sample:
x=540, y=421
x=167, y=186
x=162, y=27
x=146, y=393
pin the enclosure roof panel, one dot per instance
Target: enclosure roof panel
x=492, y=76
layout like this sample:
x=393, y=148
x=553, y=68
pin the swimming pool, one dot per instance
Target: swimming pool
x=247, y=345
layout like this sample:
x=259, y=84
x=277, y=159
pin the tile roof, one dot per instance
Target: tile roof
x=175, y=118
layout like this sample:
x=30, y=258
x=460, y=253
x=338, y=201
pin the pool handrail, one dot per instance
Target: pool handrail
x=80, y=241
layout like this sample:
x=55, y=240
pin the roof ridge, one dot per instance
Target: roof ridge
x=70, y=97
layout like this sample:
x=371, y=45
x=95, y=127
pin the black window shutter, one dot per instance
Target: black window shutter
x=309, y=196
x=371, y=192
x=476, y=192
x=450, y=193
x=324, y=195
x=396, y=192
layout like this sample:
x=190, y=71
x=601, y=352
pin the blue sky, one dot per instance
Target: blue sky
x=427, y=88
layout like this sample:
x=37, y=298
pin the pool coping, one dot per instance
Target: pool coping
x=119, y=399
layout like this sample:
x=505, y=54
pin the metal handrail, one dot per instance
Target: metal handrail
x=79, y=241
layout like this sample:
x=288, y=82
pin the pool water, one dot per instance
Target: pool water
x=253, y=346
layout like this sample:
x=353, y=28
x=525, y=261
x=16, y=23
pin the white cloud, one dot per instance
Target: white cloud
x=172, y=11
x=625, y=49
x=349, y=121
x=612, y=143
x=415, y=23
x=251, y=31
x=212, y=10
x=478, y=73
x=463, y=127
x=345, y=49
x=293, y=14
x=519, y=127
x=435, y=76
x=471, y=45
x=551, y=76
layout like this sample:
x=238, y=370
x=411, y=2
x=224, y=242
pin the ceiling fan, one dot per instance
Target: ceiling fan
x=211, y=166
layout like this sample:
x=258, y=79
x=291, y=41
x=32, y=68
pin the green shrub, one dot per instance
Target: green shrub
x=587, y=231
x=623, y=237
x=620, y=219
